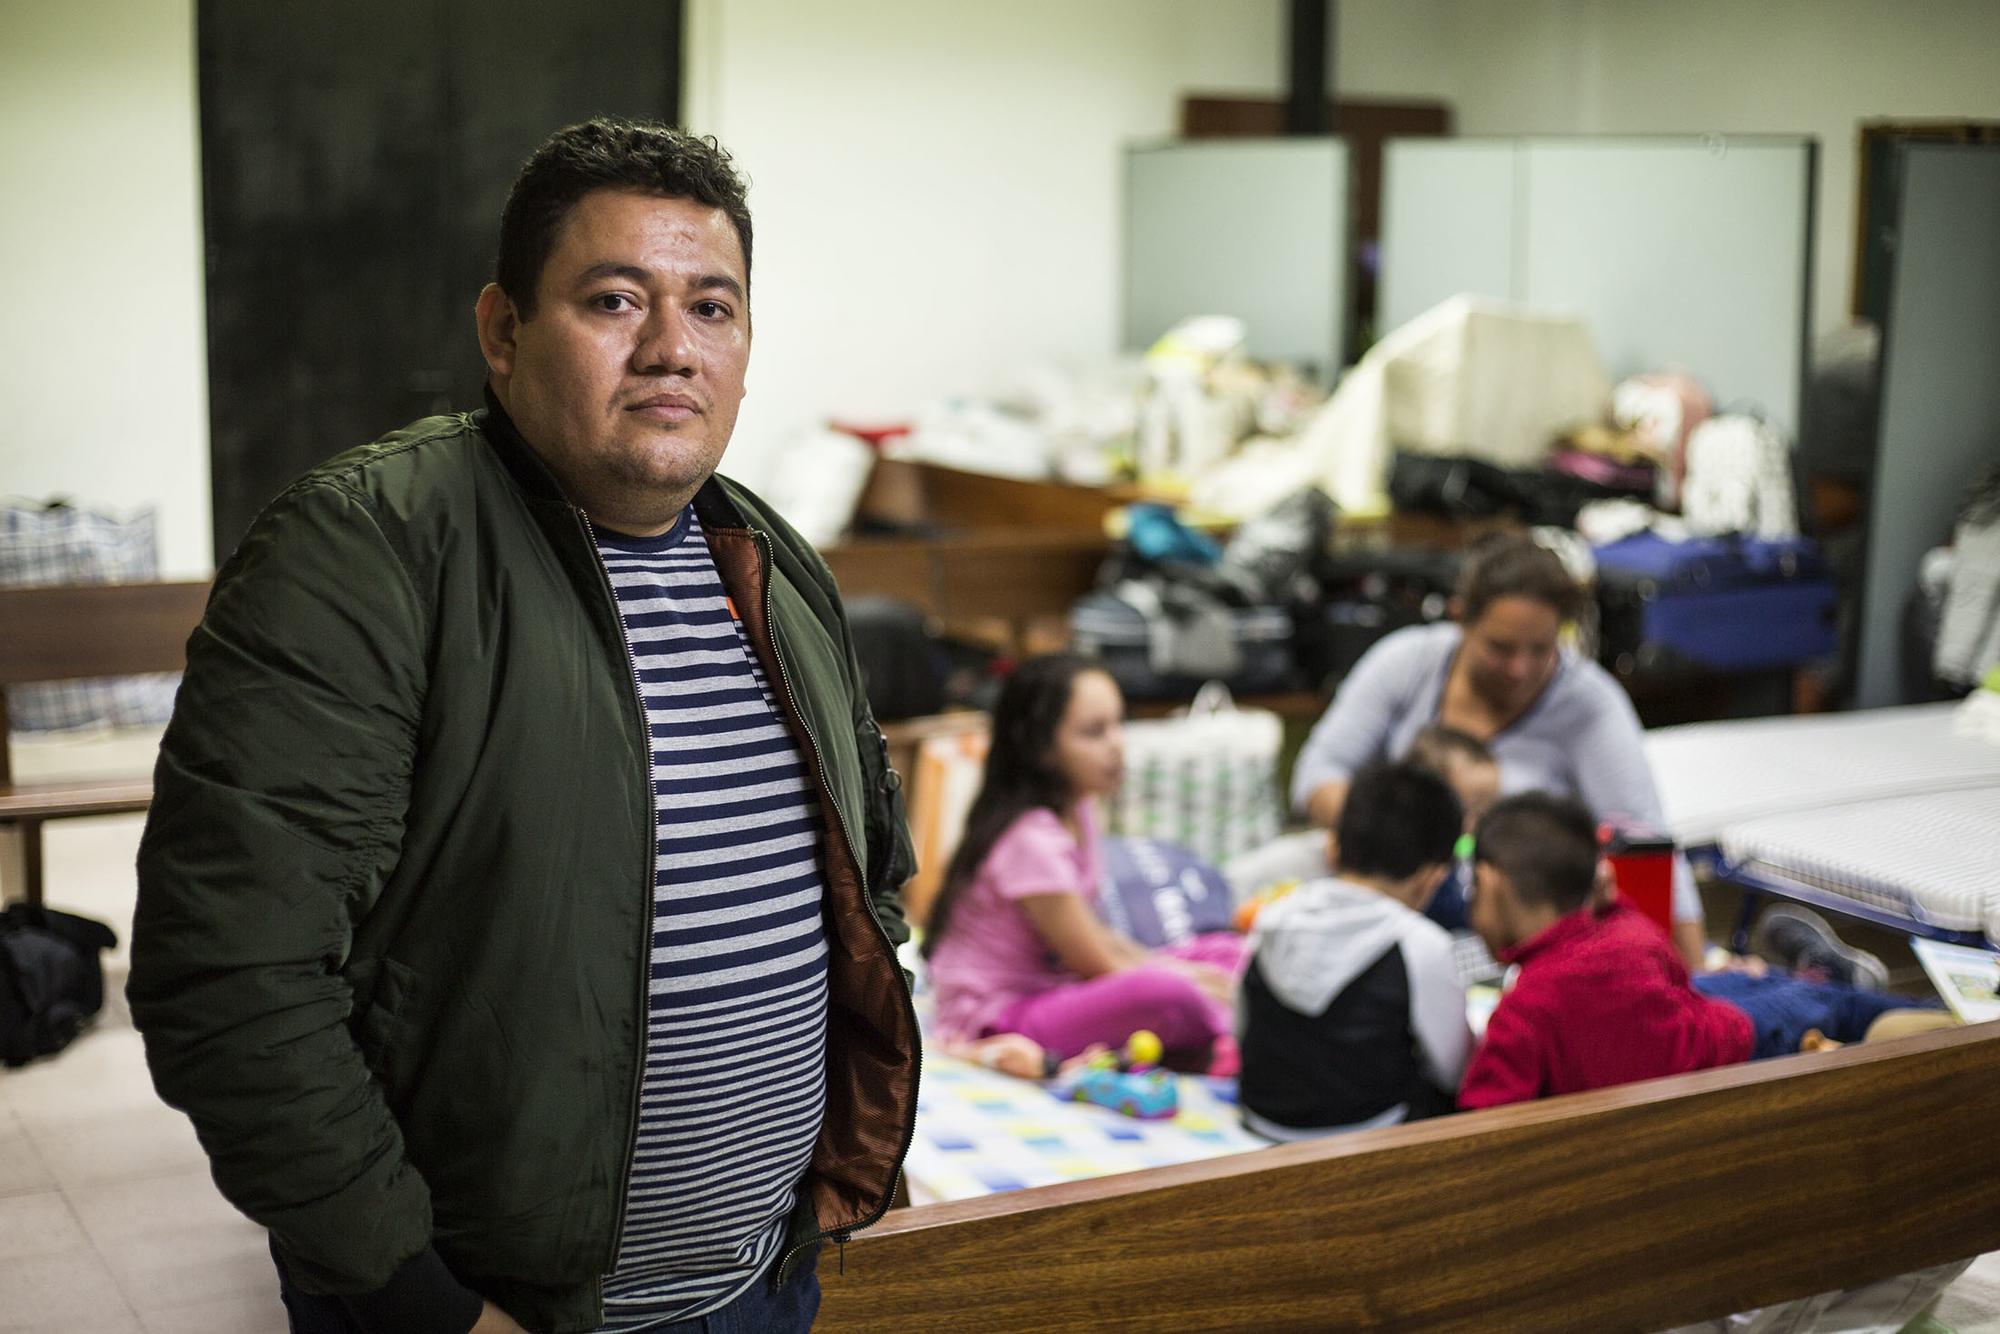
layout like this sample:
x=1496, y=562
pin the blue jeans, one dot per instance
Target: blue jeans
x=1782, y=1007
x=763, y=1308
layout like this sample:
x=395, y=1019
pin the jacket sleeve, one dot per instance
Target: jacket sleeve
x=892, y=857
x=1510, y=1064
x=278, y=808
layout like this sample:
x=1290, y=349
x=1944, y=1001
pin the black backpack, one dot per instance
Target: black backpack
x=51, y=980
x=903, y=667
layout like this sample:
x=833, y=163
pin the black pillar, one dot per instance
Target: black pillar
x=1309, y=96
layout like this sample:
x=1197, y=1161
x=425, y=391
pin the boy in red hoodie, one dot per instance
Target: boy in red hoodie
x=1602, y=997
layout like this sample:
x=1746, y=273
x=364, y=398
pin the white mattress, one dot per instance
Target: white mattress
x=1716, y=775
x=1933, y=858
x=1888, y=808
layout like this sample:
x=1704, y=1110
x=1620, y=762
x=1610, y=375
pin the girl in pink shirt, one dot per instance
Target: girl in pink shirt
x=1015, y=943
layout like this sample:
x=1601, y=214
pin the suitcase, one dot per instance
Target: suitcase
x=1120, y=635
x=1718, y=604
x=1364, y=597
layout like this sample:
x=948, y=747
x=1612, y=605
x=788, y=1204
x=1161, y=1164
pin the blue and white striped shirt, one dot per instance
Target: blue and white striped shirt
x=735, y=1080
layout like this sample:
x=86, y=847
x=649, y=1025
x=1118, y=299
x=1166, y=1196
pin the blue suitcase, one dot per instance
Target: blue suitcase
x=1719, y=604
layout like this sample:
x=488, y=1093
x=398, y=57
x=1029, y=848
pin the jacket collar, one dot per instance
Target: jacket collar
x=515, y=454
x=1553, y=938
x=712, y=503
x=715, y=507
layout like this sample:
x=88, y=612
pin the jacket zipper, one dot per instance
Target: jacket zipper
x=838, y=1235
x=646, y=939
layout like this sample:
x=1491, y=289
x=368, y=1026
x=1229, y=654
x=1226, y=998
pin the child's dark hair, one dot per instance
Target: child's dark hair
x=1435, y=746
x=1019, y=776
x=1546, y=846
x=1398, y=819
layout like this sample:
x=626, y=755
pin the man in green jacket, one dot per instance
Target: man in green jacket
x=518, y=906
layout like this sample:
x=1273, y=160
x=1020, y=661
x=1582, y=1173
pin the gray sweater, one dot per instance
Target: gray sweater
x=1579, y=739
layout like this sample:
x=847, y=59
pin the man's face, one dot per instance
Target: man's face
x=627, y=378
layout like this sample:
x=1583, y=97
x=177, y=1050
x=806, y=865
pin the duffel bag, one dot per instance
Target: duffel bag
x=1163, y=642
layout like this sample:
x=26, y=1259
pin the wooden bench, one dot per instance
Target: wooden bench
x=68, y=633
x=1635, y=1208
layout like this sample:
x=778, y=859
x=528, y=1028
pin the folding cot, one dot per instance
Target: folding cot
x=1884, y=814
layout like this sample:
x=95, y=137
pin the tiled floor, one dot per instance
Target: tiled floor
x=108, y=1221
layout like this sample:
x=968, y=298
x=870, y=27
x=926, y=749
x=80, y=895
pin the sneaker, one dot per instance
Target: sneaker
x=1801, y=940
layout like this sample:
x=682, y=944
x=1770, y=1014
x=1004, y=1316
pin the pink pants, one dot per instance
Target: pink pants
x=1110, y=1009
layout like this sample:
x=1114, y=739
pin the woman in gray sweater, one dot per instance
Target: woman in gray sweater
x=1556, y=721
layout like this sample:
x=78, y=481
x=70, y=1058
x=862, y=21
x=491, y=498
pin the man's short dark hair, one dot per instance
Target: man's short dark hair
x=606, y=154
x=1397, y=820
x=1546, y=846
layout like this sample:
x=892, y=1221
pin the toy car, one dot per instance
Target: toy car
x=1150, y=1095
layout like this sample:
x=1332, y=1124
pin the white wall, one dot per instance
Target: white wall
x=935, y=188
x=1816, y=67
x=936, y=185
x=103, y=361
x=1504, y=66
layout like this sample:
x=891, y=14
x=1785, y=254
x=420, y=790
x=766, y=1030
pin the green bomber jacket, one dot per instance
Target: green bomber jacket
x=396, y=887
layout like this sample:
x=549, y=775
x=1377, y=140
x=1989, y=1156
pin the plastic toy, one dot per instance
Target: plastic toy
x=1142, y=1050
x=1130, y=1081
x=1246, y=912
x=1150, y=1095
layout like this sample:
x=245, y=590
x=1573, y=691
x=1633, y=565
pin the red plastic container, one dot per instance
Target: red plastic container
x=1642, y=863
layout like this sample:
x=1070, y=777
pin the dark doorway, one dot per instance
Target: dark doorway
x=355, y=158
x=1881, y=156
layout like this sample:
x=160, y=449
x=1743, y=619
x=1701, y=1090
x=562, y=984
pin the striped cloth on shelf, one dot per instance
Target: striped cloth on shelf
x=43, y=545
